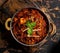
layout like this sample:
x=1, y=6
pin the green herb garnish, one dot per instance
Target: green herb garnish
x=29, y=31
x=30, y=25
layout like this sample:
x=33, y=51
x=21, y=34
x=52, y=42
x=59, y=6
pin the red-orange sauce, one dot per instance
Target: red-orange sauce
x=19, y=26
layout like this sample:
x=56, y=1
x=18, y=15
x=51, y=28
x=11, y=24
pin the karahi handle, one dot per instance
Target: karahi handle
x=6, y=24
x=52, y=29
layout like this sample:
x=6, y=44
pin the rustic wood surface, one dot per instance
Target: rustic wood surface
x=8, y=9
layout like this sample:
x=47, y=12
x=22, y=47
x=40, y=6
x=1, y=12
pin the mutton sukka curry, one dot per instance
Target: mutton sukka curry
x=29, y=26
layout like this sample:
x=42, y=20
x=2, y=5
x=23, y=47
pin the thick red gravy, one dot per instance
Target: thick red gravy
x=18, y=26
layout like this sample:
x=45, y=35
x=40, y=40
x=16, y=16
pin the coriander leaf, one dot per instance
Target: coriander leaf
x=28, y=24
x=29, y=31
x=33, y=24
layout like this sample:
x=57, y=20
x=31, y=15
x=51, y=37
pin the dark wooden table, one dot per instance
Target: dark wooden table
x=9, y=7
